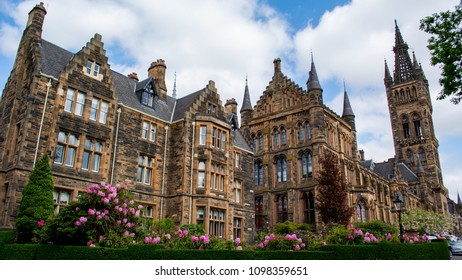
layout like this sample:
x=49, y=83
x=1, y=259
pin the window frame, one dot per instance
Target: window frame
x=66, y=147
x=76, y=104
x=93, y=154
x=145, y=170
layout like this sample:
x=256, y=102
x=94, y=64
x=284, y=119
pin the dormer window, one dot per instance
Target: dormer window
x=93, y=69
x=147, y=96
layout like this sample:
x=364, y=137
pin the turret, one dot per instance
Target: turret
x=246, y=109
x=157, y=71
x=313, y=86
x=348, y=114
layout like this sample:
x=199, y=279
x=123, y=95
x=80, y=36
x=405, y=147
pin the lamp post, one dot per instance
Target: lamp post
x=398, y=203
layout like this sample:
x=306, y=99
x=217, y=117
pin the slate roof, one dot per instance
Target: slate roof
x=386, y=168
x=54, y=58
x=240, y=142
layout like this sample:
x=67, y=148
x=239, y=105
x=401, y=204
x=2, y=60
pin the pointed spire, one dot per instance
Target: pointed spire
x=403, y=64
x=174, y=87
x=387, y=72
x=313, y=81
x=347, y=111
x=246, y=104
x=414, y=61
x=459, y=201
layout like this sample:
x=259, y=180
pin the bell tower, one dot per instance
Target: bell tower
x=410, y=108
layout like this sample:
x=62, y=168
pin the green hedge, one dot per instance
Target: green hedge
x=383, y=251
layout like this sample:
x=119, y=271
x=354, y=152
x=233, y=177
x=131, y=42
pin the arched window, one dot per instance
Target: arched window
x=281, y=169
x=260, y=142
x=201, y=176
x=406, y=131
x=410, y=156
x=301, y=134
x=422, y=156
x=309, y=208
x=282, y=207
x=276, y=138
x=254, y=142
x=308, y=130
x=417, y=127
x=258, y=173
x=413, y=92
x=283, y=136
x=361, y=211
x=307, y=165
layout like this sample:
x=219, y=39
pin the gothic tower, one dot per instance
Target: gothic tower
x=411, y=110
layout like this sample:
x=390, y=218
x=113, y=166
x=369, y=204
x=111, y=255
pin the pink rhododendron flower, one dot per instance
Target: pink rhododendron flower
x=388, y=236
x=99, y=217
x=271, y=236
x=132, y=234
x=129, y=225
x=194, y=239
x=297, y=247
x=100, y=237
x=351, y=237
x=140, y=206
x=125, y=220
x=91, y=212
x=266, y=242
x=82, y=220
x=147, y=239
x=367, y=239
x=90, y=242
x=168, y=236
x=77, y=208
x=303, y=245
x=360, y=232
x=106, y=200
x=92, y=245
x=185, y=232
x=239, y=248
x=237, y=240
x=119, y=222
x=116, y=200
x=77, y=223
x=131, y=202
x=126, y=233
x=156, y=240
x=411, y=241
x=260, y=245
x=41, y=223
x=137, y=213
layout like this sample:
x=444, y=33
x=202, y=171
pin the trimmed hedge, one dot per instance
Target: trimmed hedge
x=383, y=251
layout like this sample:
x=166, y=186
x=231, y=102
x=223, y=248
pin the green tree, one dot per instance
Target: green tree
x=445, y=46
x=428, y=221
x=332, y=196
x=37, y=201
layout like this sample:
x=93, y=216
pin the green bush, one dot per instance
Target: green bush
x=290, y=227
x=194, y=229
x=377, y=228
x=37, y=201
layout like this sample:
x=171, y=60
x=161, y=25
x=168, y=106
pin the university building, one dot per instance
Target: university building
x=189, y=158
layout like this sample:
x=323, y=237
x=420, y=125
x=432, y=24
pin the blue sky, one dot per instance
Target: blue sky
x=226, y=40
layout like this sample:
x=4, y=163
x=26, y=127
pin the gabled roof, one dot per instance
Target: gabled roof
x=240, y=142
x=54, y=58
x=386, y=169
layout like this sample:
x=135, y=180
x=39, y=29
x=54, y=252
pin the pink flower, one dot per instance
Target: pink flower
x=237, y=240
x=99, y=217
x=119, y=222
x=239, y=248
x=77, y=223
x=83, y=220
x=77, y=208
x=303, y=245
x=137, y=213
x=147, y=239
x=272, y=236
x=132, y=234
x=351, y=237
x=100, y=237
x=125, y=220
x=266, y=242
x=360, y=232
x=367, y=239
x=156, y=240
x=411, y=241
x=194, y=239
x=185, y=232
x=91, y=212
x=297, y=247
x=129, y=225
x=131, y=202
x=92, y=245
x=260, y=245
x=168, y=236
x=41, y=223
x=89, y=242
x=140, y=206
x=388, y=236
x=126, y=233
x=106, y=200
x=116, y=200
x=206, y=240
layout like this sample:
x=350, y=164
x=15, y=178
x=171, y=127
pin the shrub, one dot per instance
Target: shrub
x=105, y=215
x=37, y=201
x=378, y=228
x=289, y=227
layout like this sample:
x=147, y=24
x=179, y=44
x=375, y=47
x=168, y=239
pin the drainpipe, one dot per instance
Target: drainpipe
x=191, y=176
x=163, y=174
x=41, y=122
x=115, y=144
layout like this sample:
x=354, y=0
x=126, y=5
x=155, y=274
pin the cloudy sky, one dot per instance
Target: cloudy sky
x=225, y=40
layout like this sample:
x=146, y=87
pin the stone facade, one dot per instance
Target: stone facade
x=188, y=158
x=178, y=156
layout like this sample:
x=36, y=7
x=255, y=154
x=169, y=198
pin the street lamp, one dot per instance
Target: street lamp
x=399, y=203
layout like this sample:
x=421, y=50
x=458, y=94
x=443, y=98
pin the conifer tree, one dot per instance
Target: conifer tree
x=332, y=192
x=37, y=201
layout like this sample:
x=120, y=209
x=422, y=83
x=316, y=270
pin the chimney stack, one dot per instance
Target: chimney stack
x=361, y=155
x=231, y=106
x=133, y=76
x=157, y=71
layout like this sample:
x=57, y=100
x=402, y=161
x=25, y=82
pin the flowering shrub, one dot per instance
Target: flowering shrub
x=105, y=215
x=280, y=242
x=428, y=221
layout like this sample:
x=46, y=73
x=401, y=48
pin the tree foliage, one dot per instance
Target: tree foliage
x=445, y=46
x=332, y=195
x=428, y=221
x=37, y=201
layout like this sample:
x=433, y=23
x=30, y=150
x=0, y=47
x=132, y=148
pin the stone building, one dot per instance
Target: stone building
x=189, y=158
x=290, y=128
x=182, y=158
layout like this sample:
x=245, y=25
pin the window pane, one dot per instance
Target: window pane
x=89, y=64
x=152, y=135
x=59, y=155
x=203, y=135
x=94, y=109
x=88, y=144
x=148, y=175
x=96, y=72
x=144, y=132
x=98, y=147
x=70, y=156
x=62, y=137
x=69, y=100
x=201, y=180
x=104, y=109
x=64, y=197
x=139, y=177
x=80, y=103
x=73, y=139
x=86, y=160
x=96, y=162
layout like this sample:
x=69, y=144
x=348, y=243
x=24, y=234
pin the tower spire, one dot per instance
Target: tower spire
x=403, y=64
x=246, y=104
x=347, y=110
x=459, y=201
x=174, y=87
